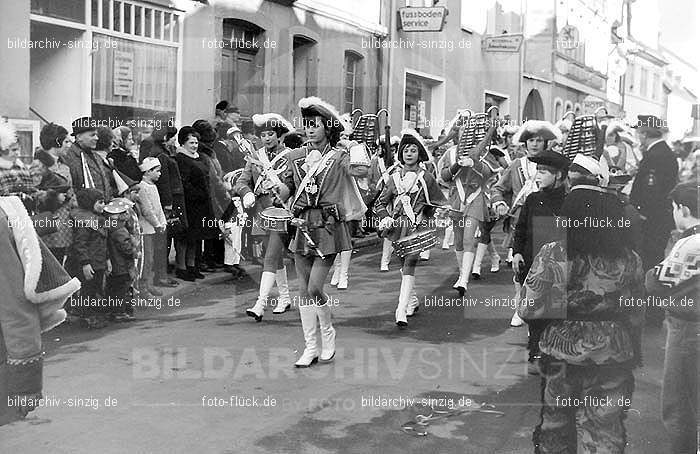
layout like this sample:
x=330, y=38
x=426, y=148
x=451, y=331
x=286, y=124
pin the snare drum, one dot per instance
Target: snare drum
x=415, y=243
x=274, y=219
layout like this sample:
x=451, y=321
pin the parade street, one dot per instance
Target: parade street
x=204, y=377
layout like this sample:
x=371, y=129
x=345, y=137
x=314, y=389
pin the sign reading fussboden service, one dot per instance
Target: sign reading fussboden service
x=422, y=19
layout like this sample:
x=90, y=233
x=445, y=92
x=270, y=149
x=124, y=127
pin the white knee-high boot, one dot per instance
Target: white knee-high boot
x=336, y=270
x=345, y=257
x=495, y=258
x=413, y=304
x=478, y=257
x=309, y=324
x=460, y=259
x=387, y=249
x=516, y=321
x=407, y=283
x=448, y=240
x=327, y=333
x=463, y=280
x=284, y=300
x=267, y=280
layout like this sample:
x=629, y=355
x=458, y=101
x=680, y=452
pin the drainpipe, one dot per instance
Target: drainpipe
x=390, y=65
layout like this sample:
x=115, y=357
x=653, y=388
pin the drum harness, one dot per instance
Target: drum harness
x=404, y=198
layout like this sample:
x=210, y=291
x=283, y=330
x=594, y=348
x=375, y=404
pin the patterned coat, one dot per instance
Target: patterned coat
x=582, y=297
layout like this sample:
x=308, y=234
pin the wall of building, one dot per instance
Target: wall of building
x=50, y=95
x=202, y=65
x=467, y=72
x=14, y=77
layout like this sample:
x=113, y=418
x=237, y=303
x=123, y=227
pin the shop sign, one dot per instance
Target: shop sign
x=123, y=73
x=413, y=19
x=502, y=43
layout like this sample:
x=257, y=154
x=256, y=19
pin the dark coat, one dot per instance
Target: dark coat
x=125, y=163
x=170, y=182
x=195, y=182
x=229, y=158
x=100, y=171
x=537, y=224
x=122, y=249
x=89, y=240
x=658, y=174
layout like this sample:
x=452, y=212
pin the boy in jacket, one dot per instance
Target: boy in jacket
x=674, y=284
x=123, y=252
x=88, y=256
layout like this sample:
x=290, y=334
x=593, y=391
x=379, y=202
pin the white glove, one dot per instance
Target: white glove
x=248, y=200
x=386, y=223
x=501, y=208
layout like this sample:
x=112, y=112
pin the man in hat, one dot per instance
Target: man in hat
x=536, y=226
x=87, y=168
x=657, y=175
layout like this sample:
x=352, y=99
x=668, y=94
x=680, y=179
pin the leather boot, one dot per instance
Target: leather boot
x=467, y=262
x=387, y=249
x=404, y=298
x=327, y=333
x=478, y=257
x=309, y=323
x=336, y=270
x=267, y=280
x=460, y=259
x=344, y=267
x=495, y=258
x=284, y=301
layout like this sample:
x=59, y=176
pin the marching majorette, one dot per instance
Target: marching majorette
x=258, y=186
x=518, y=180
x=496, y=161
x=468, y=177
x=322, y=197
x=406, y=204
x=358, y=155
x=379, y=176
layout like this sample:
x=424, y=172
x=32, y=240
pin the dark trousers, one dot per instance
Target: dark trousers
x=213, y=252
x=577, y=410
x=91, y=297
x=160, y=256
x=119, y=288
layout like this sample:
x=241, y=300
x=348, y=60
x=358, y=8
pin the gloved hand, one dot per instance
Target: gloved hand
x=501, y=208
x=386, y=223
x=248, y=200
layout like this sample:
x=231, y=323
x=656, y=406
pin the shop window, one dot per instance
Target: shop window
x=132, y=80
x=417, y=105
x=242, y=66
x=73, y=11
x=352, y=75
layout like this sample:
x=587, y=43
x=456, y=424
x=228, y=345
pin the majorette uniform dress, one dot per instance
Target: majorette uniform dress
x=379, y=175
x=468, y=200
x=408, y=198
x=323, y=194
x=253, y=179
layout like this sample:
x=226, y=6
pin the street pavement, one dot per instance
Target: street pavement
x=198, y=375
